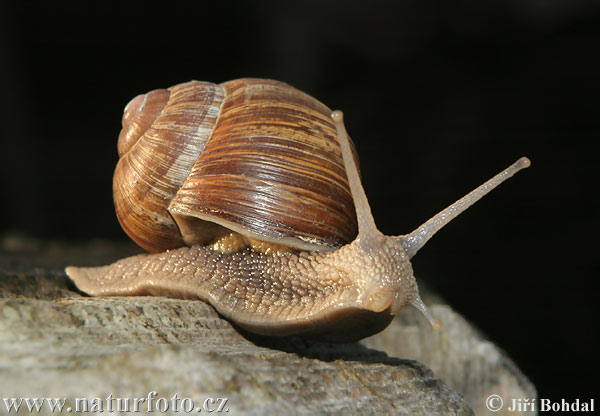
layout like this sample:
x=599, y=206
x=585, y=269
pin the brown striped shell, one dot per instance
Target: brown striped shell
x=252, y=156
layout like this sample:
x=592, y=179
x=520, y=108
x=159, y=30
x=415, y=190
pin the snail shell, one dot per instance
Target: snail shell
x=257, y=157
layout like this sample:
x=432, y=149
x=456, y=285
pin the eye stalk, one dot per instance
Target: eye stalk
x=390, y=282
x=414, y=241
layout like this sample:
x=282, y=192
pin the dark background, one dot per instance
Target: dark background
x=438, y=97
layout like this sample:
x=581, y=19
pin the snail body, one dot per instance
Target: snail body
x=256, y=183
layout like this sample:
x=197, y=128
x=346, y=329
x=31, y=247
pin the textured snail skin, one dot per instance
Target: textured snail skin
x=337, y=295
x=329, y=295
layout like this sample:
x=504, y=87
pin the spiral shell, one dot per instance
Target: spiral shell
x=252, y=156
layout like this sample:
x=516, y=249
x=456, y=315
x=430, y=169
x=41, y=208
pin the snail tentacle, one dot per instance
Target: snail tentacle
x=414, y=241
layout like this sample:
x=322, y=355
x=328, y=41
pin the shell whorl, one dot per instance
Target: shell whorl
x=163, y=134
x=254, y=156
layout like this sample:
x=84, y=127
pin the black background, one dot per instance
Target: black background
x=438, y=97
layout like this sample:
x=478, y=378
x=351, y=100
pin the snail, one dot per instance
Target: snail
x=248, y=196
